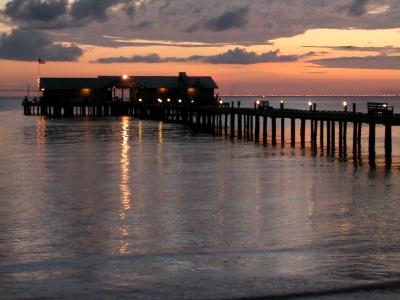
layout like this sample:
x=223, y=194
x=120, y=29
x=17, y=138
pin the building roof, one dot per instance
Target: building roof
x=75, y=83
x=102, y=82
x=173, y=82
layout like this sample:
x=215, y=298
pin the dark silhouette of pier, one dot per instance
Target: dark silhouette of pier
x=250, y=123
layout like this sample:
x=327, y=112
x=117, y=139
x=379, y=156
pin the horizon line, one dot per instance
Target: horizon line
x=260, y=95
x=309, y=95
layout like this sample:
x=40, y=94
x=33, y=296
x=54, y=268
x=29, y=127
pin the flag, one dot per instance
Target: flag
x=41, y=61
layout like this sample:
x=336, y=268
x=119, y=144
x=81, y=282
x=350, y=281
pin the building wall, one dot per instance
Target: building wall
x=76, y=96
x=199, y=96
x=59, y=96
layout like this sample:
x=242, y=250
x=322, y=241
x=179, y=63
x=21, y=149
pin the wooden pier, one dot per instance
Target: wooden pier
x=250, y=124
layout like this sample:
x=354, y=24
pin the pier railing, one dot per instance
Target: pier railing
x=249, y=123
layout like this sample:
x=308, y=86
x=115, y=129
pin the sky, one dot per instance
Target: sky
x=248, y=46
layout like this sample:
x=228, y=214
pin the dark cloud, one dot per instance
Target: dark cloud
x=129, y=9
x=93, y=9
x=206, y=21
x=121, y=42
x=243, y=57
x=262, y=20
x=382, y=50
x=368, y=62
x=29, y=45
x=144, y=25
x=238, y=56
x=38, y=14
x=232, y=19
x=356, y=8
x=35, y=10
x=58, y=14
x=194, y=27
x=235, y=18
x=151, y=58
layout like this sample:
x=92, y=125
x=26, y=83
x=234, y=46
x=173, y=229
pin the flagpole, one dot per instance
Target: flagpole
x=40, y=62
x=38, y=78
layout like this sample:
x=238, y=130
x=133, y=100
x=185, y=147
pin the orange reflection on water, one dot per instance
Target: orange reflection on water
x=41, y=133
x=140, y=125
x=125, y=190
x=161, y=133
x=160, y=149
x=139, y=147
x=124, y=166
x=124, y=230
x=123, y=247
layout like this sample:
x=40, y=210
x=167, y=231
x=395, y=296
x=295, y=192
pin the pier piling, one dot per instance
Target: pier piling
x=321, y=136
x=218, y=119
x=265, y=128
x=240, y=129
x=257, y=129
x=388, y=144
x=292, y=132
x=328, y=137
x=333, y=132
x=340, y=140
x=273, y=125
x=232, y=125
x=303, y=132
x=371, y=145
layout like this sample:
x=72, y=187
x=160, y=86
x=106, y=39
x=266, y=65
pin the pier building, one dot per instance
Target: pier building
x=146, y=89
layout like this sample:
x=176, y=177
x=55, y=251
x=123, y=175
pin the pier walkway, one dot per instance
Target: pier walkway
x=328, y=128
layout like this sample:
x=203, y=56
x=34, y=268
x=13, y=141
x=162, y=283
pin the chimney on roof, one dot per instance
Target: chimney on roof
x=182, y=77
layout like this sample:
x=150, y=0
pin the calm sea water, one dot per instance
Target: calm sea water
x=122, y=208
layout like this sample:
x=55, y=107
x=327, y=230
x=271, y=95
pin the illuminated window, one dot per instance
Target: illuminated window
x=86, y=92
x=191, y=91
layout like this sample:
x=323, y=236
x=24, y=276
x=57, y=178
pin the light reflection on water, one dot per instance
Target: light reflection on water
x=123, y=208
x=124, y=183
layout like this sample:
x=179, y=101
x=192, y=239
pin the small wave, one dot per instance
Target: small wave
x=393, y=286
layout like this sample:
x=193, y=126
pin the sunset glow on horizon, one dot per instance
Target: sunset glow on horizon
x=266, y=47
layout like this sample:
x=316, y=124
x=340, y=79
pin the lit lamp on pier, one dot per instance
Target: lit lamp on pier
x=310, y=105
x=159, y=100
x=257, y=104
x=140, y=100
x=345, y=105
x=282, y=103
x=125, y=77
x=168, y=100
x=180, y=101
x=221, y=102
